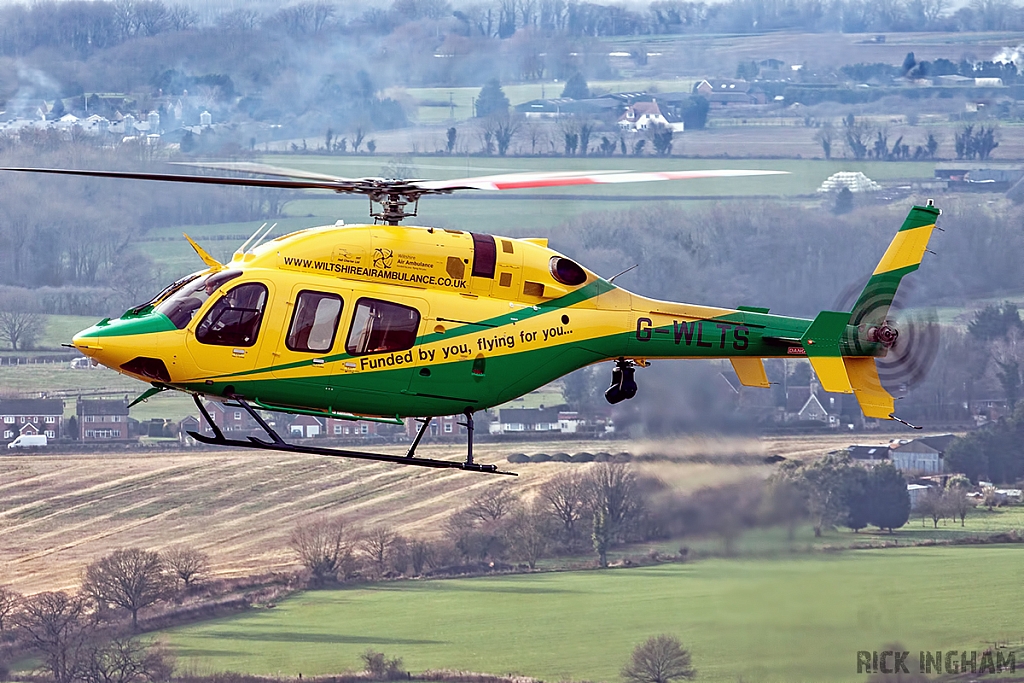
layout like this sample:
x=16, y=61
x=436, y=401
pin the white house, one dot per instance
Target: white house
x=642, y=115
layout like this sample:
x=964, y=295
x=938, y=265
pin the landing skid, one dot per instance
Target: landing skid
x=276, y=443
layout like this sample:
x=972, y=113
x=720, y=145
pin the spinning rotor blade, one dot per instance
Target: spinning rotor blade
x=336, y=185
x=265, y=169
x=521, y=181
x=305, y=180
x=910, y=357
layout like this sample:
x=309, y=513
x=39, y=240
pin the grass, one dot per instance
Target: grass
x=774, y=541
x=798, y=618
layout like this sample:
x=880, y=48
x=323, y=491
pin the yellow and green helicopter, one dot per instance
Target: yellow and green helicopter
x=385, y=321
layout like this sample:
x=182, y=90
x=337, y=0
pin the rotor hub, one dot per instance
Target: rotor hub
x=885, y=334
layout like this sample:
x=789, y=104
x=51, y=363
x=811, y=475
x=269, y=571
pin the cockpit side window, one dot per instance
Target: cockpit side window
x=382, y=327
x=235, y=319
x=182, y=305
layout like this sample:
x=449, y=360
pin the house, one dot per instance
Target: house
x=720, y=92
x=519, y=420
x=230, y=419
x=305, y=426
x=189, y=423
x=103, y=419
x=868, y=455
x=643, y=115
x=569, y=422
x=347, y=429
x=31, y=416
x=810, y=404
x=921, y=455
x=446, y=425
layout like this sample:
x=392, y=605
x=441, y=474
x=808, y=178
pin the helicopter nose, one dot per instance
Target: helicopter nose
x=117, y=342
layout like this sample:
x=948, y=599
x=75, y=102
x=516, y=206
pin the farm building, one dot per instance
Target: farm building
x=921, y=455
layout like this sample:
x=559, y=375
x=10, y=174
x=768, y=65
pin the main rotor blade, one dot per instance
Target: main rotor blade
x=265, y=169
x=336, y=185
x=520, y=181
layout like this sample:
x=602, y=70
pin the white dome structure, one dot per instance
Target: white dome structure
x=855, y=181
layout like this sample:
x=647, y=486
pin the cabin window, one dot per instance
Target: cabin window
x=314, y=322
x=182, y=305
x=485, y=255
x=382, y=327
x=235, y=319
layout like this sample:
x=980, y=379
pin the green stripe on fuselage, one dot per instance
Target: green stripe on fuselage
x=119, y=327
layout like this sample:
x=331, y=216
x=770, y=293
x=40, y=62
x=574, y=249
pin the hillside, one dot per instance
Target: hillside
x=59, y=512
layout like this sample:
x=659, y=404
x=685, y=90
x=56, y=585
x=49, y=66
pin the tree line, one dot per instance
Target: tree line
x=833, y=491
x=89, y=26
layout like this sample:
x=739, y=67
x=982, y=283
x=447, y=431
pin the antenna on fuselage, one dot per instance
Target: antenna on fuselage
x=622, y=272
x=241, y=249
x=262, y=237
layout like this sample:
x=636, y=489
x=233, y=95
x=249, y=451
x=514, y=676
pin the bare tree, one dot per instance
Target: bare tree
x=501, y=127
x=321, y=546
x=378, y=545
x=856, y=135
x=956, y=490
x=58, y=627
x=127, y=660
x=20, y=321
x=659, y=659
x=9, y=602
x=492, y=505
x=187, y=564
x=612, y=490
x=536, y=133
x=130, y=578
x=565, y=495
x=825, y=136
x=420, y=555
x=528, y=534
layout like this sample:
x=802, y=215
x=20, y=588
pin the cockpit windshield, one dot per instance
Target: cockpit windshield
x=182, y=304
x=165, y=292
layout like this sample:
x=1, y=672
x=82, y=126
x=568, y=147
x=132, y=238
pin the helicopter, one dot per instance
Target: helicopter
x=386, y=321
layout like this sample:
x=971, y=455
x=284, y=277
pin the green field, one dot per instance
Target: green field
x=790, y=619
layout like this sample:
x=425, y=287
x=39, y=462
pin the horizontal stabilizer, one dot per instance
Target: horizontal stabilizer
x=831, y=374
x=874, y=400
x=750, y=371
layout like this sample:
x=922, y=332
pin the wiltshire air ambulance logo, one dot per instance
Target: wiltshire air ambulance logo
x=382, y=258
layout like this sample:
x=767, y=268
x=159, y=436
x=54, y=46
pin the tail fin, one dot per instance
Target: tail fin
x=903, y=256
